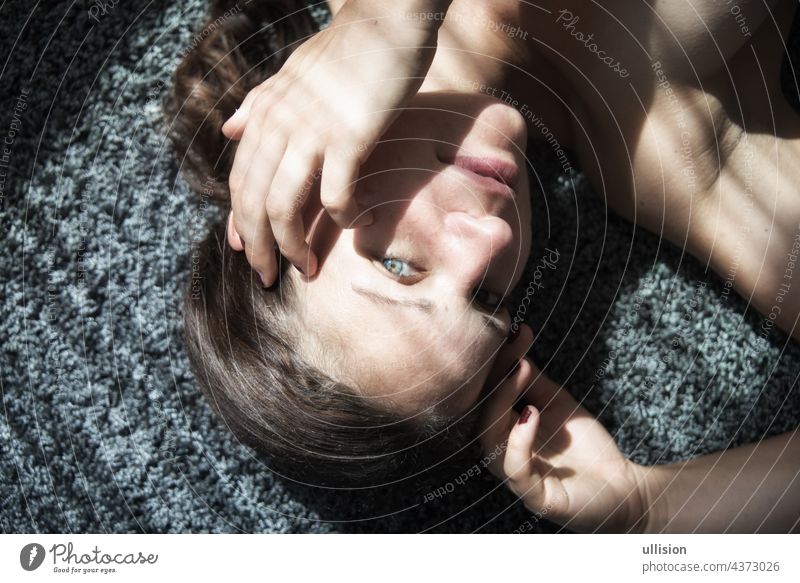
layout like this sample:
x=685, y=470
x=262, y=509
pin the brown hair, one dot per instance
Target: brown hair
x=240, y=339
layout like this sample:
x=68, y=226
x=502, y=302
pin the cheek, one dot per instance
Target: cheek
x=469, y=378
x=394, y=183
x=468, y=393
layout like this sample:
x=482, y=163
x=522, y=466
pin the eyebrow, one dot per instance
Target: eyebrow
x=422, y=305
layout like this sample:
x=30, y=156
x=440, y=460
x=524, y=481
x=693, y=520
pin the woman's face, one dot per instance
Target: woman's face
x=406, y=308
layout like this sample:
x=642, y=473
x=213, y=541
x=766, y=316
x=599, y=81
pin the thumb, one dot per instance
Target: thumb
x=524, y=478
x=543, y=392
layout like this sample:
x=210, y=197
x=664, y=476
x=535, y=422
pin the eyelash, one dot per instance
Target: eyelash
x=487, y=305
x=401, y=276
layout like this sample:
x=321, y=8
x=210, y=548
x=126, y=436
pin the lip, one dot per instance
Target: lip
x=503, y=171
x=487, y=184
x=492, y=173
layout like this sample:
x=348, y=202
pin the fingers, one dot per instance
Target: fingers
x=498, y=414
x=520, y=449
x=261, y=255
x=339, y=175
x=260, y=249
x=287, y=198
x=543, y=392
x=233, y=128
x=518, y=465
x=234, y=240
x=243, y=160
x=250, y=210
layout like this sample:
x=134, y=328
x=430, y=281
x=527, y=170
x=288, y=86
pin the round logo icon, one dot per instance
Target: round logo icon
x=31, y=556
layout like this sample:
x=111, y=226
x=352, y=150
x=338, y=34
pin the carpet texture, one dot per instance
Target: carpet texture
x=102, y=428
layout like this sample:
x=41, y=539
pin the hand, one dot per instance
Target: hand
x=324, y=110
x=559, y=459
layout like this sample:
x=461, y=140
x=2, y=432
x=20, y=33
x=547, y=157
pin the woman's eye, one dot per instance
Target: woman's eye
x=488, y=299
x=398, y=267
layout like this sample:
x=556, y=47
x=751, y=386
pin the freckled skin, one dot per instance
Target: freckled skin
x=696, y=144
x=722, y=118
x=455, y=232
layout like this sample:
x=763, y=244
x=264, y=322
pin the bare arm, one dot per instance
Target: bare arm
x=752, y=488
x=318, y=119
x=563, y=464
x=411, y=5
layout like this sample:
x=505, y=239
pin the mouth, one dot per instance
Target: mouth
x=492, y=172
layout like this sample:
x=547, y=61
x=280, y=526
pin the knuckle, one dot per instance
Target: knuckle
x=339, y=202
x=359, y=128
x=250, y=211
x=285, y=78
x=249, y=234
x=333, y=202
x=253, y=232
x=253, y=196
x=280, y=114
x=264, y=86
x=293, y=236
x=239, y=226
x=261, y=99
x=278, y=207
x=349, y=153
x=235, y=181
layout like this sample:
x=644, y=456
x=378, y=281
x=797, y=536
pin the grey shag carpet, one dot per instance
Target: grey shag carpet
x=102, y=428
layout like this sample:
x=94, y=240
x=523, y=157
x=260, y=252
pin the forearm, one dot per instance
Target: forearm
x=424, y=14
x=408, y=28
x=752, y=488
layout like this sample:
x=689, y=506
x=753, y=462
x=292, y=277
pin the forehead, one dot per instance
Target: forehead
x=405, y=355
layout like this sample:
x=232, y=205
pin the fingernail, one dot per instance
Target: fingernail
x=524, y=416
x=513, y=334
x=261, y=277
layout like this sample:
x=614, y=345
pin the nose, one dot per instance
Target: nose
x=472, y=246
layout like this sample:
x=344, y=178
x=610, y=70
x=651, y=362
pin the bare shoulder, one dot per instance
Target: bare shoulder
x=696, y=38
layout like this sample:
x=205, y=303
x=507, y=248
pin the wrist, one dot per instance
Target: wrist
x=424, y=15
x=649, y=514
